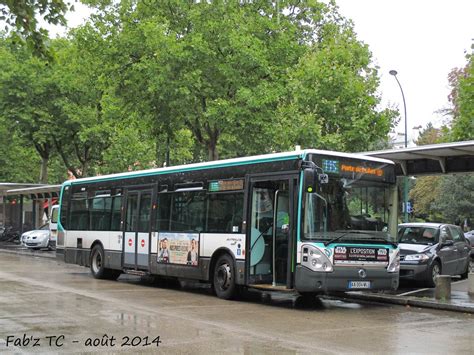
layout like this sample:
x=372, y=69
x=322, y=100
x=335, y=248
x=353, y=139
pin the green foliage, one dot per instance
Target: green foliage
x=333, y=90
x=16, y=159
x=146, y=82
x=27, y=94
x=23, y=16
x=244, y=78
x=461, y=98
x=82, y=133
x=455, y=198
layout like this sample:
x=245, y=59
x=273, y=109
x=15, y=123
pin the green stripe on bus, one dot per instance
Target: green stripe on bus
x=224, y=165
x=378, y=245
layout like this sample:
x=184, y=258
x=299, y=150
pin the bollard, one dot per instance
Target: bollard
x=470, y=281
x=443, y=287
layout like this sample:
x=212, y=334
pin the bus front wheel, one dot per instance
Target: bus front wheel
x=98, y=269
x=224, y=277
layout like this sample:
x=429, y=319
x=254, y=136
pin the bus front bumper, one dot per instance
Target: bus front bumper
x=345, y=279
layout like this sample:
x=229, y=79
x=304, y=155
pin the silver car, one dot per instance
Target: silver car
x=431, y=249
x=38, y=238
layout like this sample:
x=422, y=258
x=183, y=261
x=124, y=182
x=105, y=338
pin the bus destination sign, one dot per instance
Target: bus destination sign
x=355, y=169
x=226, y=185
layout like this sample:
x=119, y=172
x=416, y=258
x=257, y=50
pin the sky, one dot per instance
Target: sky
x=423, y=40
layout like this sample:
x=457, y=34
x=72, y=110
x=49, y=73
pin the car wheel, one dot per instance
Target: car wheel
x=98, y=269
x=224, y=277
x=434, y=271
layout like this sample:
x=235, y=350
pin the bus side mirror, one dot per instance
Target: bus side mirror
x=309, y=180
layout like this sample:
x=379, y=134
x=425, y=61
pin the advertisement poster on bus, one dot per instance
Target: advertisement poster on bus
x=178, y=248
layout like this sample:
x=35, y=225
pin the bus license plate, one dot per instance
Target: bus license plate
x=358, y=284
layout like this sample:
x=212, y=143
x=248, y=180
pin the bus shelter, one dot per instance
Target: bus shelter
x=433, y=159
x=26, y=206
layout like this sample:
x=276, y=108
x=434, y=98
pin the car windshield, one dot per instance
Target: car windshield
x=418, y=235
x=349, y=209
x=44, y=227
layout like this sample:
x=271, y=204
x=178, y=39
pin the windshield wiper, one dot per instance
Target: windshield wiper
x=343, y=235
x=394, y=244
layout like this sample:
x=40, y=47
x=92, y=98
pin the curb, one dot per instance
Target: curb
x=17, y=252
x=409, y=301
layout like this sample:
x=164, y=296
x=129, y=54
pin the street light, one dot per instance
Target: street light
x=405, y=180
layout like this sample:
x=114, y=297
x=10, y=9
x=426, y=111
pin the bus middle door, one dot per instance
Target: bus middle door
x=136, y=245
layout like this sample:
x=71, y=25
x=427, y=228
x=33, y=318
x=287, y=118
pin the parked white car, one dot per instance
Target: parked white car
x=37, y=238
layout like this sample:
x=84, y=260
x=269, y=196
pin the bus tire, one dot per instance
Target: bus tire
x=224, y=278
x=97, y=265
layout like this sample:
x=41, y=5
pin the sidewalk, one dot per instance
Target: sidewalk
x=13, y=248
x=460, y=300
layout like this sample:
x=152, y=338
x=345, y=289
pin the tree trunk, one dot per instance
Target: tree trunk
x=44, y=171
x=213, y=154
x=85, y=169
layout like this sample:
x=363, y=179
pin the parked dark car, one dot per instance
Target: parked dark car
x=430, y=249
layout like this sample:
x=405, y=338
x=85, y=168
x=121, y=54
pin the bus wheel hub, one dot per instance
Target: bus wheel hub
x=224, y=276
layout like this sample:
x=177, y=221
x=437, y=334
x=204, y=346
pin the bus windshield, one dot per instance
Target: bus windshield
x=349, y=209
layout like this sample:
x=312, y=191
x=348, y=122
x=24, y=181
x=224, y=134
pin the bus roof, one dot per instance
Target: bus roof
x=297, y=154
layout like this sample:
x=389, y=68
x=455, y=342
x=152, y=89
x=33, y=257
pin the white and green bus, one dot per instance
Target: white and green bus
x=311, y=221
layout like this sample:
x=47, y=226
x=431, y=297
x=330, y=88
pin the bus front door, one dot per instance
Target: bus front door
x=136, y=230
x=270, y=233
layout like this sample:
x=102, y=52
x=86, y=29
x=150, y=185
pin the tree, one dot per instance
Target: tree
x=241, y=76
x=456, y=198
x=27, y=100
x=333, y=92
x=16, y=157
x=462, y=99
x=427, y=188
x=430, y=135
x=82, y=133
x=23, y=16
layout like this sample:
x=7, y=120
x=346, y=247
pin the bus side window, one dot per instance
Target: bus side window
x=188, y=211
x=224, y=212
x=64, y=207
x=164, y=210
x=116, y=210
x=79, y=219
x=100, y=212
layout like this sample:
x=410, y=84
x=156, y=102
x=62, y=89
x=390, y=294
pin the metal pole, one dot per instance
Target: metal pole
x=275, y=217
x=21, y=215
x=405, y=178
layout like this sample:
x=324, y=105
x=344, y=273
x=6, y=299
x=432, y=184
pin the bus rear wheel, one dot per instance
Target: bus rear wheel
x=97, y=263
x=224, y=277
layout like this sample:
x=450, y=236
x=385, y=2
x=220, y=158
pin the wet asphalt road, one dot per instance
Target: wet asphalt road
x=41, y=298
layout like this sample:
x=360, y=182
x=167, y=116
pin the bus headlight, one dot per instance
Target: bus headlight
x=315, y=259
x=395, y=264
